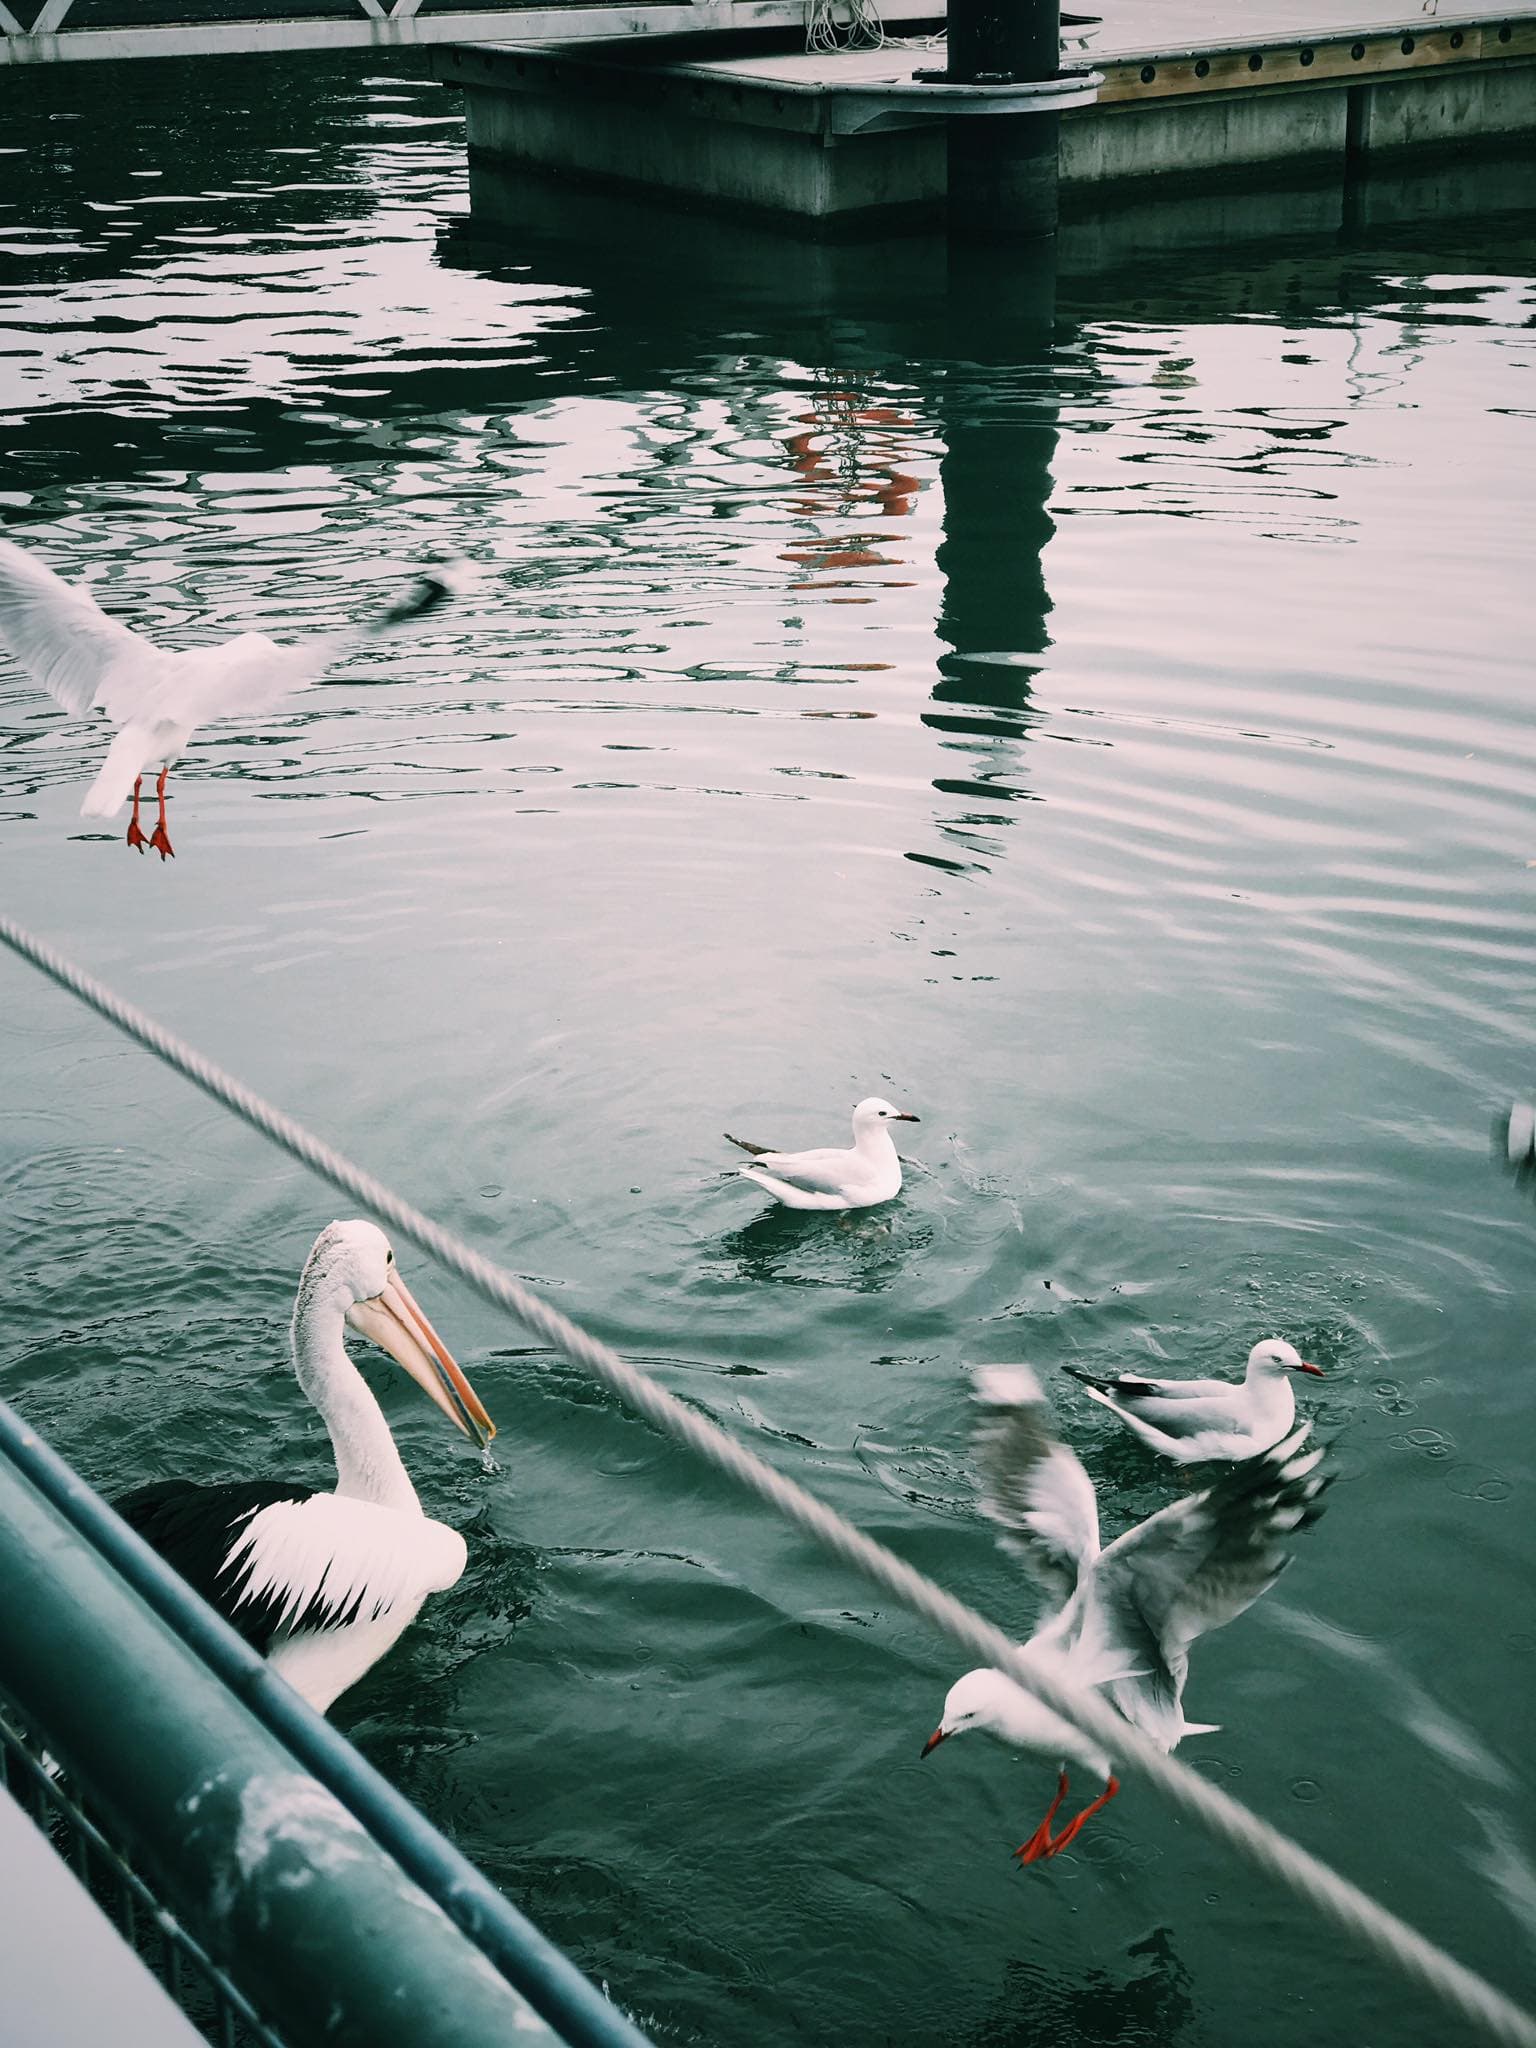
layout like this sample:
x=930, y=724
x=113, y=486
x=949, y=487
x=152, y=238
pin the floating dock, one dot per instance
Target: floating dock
x=1147, y=100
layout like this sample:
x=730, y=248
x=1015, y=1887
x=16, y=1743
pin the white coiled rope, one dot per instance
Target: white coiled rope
x=1465, y=1993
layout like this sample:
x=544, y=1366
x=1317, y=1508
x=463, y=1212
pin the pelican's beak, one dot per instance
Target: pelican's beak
x=1316, y=1371
x=393, y=1321
x=938, y=1734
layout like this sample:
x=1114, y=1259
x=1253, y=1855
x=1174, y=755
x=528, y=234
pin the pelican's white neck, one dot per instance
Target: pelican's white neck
x=368, y=1465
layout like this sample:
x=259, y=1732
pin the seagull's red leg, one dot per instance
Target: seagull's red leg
x=1039, y=1843
x=135, y=832
x=1087, y=1813
x=160, y=839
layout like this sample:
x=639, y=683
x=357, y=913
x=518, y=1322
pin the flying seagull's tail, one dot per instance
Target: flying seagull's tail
x=126, y=758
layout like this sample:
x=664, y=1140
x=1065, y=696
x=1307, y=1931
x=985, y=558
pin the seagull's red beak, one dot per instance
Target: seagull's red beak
x=933, y=1741
x=1316, y=1371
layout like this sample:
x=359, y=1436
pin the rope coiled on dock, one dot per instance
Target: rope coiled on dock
x=1461, y=1990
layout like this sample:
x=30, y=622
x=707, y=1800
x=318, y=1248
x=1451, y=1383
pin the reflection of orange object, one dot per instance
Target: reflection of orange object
x=843, y=462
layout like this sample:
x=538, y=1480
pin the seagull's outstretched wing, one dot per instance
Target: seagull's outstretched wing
x=1031, y=1484
x=61, y=636
x=1198, y=1564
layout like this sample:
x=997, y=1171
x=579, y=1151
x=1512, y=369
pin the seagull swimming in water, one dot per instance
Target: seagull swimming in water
x=1125, y=1617
x=155, y=698
x=833, y=1177
x=1197, y=1421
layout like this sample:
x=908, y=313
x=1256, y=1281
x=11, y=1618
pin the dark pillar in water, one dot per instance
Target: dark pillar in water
x=1000, y=431
x=1002, y=167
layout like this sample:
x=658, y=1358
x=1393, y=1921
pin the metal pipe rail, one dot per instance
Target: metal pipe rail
x=1311, y=1881
x=337, y=1908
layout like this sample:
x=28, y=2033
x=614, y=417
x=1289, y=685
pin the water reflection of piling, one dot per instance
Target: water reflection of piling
x=1000, y=431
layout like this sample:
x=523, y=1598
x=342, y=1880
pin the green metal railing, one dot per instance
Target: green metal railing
x=270, y=1868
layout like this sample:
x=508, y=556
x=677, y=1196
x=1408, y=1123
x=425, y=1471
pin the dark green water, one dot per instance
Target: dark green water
x=1102, y=723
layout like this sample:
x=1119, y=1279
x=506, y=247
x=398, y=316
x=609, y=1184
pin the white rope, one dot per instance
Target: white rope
x=863, y=30
x=1462, y=1990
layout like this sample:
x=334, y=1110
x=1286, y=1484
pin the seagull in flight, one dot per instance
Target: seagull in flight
x=1196, y=1421
x=1124, y=1617
x=89, y=662
x=833, y=1177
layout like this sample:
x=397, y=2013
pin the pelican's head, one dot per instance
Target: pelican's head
x=874, y=1110
x=984, y=1699
x=1275, y=1356
x=353, y=1263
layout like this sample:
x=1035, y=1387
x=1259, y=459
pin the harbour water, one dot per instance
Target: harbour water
x=1095, y=712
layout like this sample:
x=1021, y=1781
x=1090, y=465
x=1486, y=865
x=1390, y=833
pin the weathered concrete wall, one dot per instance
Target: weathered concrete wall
x=1444, y=106
x=1201, y=135
x=815, y=177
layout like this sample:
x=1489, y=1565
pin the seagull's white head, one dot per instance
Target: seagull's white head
x=985, y=1699
x=874, y=1111
x=990, y=1701
x=352, y=1267
x=1274, y=1356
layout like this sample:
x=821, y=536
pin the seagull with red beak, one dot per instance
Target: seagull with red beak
x=323, y=1584
x=1124, y=1617
x=1197, y=1422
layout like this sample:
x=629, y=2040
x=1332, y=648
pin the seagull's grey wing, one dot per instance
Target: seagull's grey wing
x=60, y=635
x=1133, y=1388
x=1198, y=1564
x=1031, y=1484
x=824, y=1172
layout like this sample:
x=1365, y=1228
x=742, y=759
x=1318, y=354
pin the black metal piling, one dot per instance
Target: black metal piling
x=1002, y=167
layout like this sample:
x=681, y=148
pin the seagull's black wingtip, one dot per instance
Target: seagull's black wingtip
x=424, y=595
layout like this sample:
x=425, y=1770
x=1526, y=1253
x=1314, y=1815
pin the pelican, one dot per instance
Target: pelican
x=1125, y=1617
x=325, y=1583
x=832, y=1177
x=1196, y=1421
x=89, y=662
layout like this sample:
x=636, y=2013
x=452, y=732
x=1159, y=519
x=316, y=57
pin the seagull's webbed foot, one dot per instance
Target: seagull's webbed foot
x=1039, y=1843
x=160, y=839
x=1042, y=1845
x=135, y=829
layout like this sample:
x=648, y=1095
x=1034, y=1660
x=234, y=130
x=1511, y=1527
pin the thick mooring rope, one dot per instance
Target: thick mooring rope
x=1264, y=1846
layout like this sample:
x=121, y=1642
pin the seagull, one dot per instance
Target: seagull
x=1194, y=1421
x=1124, y=1617
x=156, y=699
x=323, y=1584
x=868, y=1171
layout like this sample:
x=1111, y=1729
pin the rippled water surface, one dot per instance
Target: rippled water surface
x=1098, y=718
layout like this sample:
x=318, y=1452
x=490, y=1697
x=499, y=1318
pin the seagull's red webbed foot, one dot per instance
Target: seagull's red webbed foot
x=1042, y=1845
x=135, y=830
x=1039, y=1843
x=159, y=839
